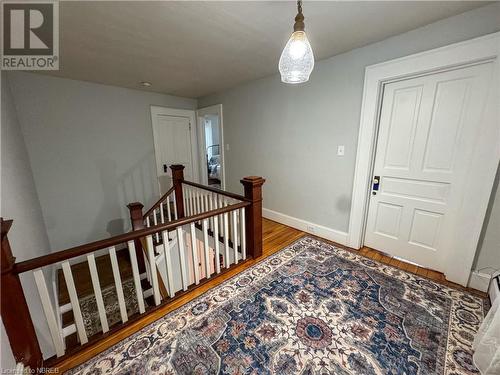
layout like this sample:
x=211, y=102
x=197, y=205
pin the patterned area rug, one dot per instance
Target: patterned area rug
x=311, y=308
x=90, y=314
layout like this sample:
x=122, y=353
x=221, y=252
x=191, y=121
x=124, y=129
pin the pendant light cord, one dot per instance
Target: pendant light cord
x=299, y=18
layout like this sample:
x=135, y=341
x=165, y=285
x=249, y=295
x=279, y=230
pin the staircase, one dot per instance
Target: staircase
x=192, y=234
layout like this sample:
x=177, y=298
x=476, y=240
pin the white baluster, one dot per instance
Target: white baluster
x=243, y=234
x=55, y=332
x=185, y=193
x=198, y=207
x=137, y=276
x=191, y=201
x=147, y=222
x=235, y=236
x=221, y=204
x=230, y=233
x=202, y=201
x=194, y=249
x=186, y=199
x=75, y=303
x=20, y=369
x=182, y=258
x=211, y=207
x=168, y=263
x=216, y=243
x=219, y=217
x=214, y=203
x=187, y=207
x=155, y=220
x=97, y=292
x=152, y=270
x=206, y=248
x=175, y=205
x=202, y=209
x=118, y=284
x=238, y=219
x=205, y=202
x=226, y=241
x=169, y=214
x=162, y=214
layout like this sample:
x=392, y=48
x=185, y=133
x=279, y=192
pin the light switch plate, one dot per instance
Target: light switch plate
x=340, y=150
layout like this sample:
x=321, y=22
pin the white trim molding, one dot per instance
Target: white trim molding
x=474, y=51
x=479, y=281
x=306, y=226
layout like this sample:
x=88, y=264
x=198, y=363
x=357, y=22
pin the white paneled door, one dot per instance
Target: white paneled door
x=175, y=143
x=428, y=128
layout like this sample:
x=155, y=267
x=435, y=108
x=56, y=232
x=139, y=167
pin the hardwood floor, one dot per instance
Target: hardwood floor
x=425, y=272
x=275, y=237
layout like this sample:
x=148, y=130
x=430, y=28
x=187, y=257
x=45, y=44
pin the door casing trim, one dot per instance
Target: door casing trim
x=473, y=51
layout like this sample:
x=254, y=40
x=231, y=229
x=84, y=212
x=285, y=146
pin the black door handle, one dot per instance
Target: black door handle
x=376, y=184
x=165, y=168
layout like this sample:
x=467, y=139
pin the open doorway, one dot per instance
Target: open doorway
x=210, y=135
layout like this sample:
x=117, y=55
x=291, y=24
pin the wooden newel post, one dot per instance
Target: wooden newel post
x=137, y=221
x=253, y=214
x=177, y=178
x=14, y=309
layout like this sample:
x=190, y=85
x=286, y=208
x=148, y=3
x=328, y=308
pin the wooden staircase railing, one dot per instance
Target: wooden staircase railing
x=199, y=211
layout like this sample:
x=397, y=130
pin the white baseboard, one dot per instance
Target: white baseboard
x=479, y=281
x=306, y=226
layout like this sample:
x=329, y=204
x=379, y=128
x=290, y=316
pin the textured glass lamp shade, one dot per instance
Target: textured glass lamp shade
x=297, y=59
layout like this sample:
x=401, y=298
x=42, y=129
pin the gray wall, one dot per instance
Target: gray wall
x=289, y=134
x=19, y=201
x=7, y=360
x=91, y=151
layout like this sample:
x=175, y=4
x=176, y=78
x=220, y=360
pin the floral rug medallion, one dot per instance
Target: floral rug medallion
x=314, y=309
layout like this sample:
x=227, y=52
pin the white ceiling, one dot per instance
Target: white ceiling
x=193, y=49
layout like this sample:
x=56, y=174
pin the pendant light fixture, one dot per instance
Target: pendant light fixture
x=297, y=59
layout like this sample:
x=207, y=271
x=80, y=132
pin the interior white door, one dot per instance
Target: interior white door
x=173, y=145
x=427, y=136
